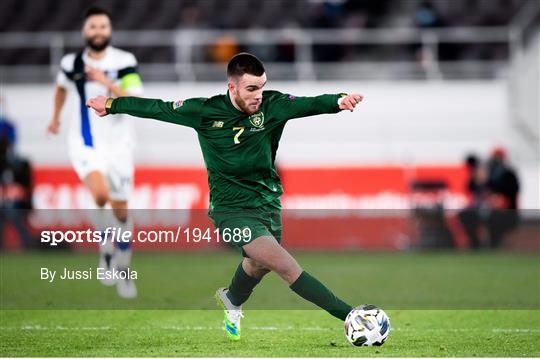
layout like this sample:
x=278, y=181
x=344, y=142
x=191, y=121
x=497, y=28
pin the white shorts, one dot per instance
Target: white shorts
x=116, y=164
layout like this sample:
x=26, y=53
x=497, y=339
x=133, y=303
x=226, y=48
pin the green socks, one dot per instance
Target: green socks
x=305, y=286
x=241, y=286
x=311, y=289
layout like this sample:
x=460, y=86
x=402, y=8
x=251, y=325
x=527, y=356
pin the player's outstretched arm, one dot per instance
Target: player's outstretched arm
x=185, y=113
x=289, y=107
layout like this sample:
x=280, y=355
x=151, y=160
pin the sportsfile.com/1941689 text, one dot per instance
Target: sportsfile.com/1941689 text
x=119, y=235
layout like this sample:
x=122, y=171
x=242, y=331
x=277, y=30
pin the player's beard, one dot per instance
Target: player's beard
x=244, y=106
x=97, y=46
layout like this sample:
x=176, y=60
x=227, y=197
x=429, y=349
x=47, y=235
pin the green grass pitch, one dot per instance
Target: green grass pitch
x=439, y=304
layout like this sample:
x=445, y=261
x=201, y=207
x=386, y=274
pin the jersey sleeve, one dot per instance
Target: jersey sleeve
x=129, y=77
x=66, y=67
x=185, y=113
x=286, y=107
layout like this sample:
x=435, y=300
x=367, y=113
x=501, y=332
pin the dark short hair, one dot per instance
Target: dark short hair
x=96, y=10
x=244, y=63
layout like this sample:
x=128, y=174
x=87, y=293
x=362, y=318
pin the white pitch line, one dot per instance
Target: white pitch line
x=465, y=330
x=58, y=327
x=264, y=328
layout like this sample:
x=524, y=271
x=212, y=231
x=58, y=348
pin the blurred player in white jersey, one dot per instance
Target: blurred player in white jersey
x=101, y=151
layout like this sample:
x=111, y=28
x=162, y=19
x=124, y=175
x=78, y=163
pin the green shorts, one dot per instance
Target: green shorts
x=238, y=227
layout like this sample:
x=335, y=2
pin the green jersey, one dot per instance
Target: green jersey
x=239, y=150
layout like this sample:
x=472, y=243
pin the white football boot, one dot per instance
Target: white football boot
x=233, y=314
x=106, y=261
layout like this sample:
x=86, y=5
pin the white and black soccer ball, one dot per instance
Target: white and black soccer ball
x=367, y=325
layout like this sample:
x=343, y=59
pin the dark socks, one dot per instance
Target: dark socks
x=241, y=286
x=311, y=289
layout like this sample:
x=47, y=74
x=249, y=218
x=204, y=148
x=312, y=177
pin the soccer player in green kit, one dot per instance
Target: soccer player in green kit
x=239, y=134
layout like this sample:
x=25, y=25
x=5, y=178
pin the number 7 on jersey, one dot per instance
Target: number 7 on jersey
x=237, y=136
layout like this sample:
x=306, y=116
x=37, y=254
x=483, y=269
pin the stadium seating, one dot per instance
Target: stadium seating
x=62, y=15
x=65, y=15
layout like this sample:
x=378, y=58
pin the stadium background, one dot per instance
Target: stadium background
x=442, y=79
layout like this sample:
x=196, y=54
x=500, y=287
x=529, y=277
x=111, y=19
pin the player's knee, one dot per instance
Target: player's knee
x=101, y=198
x=122, y=217
x=260, y=267
x=289, y=271
x=254, y=269
x=261, y=271
x=121, y=214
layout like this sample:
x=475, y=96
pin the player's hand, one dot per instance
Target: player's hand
x=98, y=105
x=94, y=74
x=349, y=102
x=54, y=126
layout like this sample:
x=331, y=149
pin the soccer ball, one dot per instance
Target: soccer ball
x=367, y=325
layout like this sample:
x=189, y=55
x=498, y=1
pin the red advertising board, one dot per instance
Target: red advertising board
x=325, y=208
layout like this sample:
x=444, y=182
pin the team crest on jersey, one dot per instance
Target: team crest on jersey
x=257, y=119
x=177, y=104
